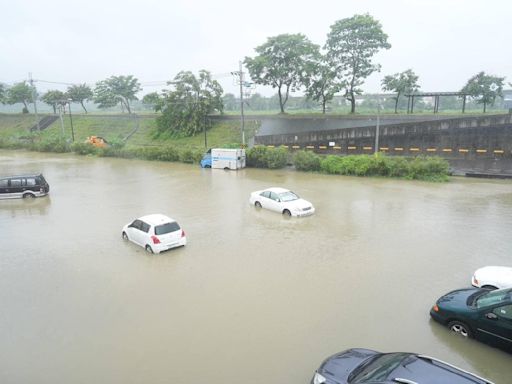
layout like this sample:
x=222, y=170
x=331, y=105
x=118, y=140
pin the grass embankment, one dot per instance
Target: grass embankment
x=145, y=144
x=15, y=133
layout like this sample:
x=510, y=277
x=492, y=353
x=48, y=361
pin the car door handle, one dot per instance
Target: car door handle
x=491, y=316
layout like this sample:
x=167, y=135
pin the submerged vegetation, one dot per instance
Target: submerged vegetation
x=418, y=168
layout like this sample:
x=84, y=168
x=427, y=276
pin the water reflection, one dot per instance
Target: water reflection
x=477, y=356
x=25, y=207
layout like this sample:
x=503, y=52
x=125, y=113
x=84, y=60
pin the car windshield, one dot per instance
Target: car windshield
x=494, y=297
x=377, y=369
x=166, y=228
x=288, y=196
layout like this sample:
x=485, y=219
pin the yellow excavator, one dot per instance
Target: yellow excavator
x=97, y=141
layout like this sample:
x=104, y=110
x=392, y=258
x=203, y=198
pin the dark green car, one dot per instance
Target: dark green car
x=479, y=313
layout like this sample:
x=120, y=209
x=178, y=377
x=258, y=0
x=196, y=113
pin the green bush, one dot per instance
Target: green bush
x=84, y=148
x=265, y=157
x=255, y=156
x=306, y=161
x=52, y=144
x=420, y=168
x=190, y=155
x=428, y=168
x=168, y=154
x=398, y=166
x=333, y=165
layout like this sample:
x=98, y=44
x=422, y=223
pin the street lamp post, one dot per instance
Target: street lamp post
x=377, y=127
x=71, y=120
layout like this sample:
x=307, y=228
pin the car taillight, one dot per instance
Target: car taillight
x=475, y=281
x=182, y=233
x=436, y=308
x=155, y=240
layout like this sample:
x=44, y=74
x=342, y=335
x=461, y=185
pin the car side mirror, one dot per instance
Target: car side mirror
x=491, y=316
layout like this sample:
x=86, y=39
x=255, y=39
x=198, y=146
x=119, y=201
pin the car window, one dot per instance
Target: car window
x=378, y=368
x=288, y=196
x=136, y=224
x=493, y=297
x=31, y=181
x=144, y=227
x=3, y=183
x=505, y=311
x=265, y=194
x=274, y=196
x=167, y=228
x=15, y=182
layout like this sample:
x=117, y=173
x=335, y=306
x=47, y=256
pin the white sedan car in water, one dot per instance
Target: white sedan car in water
x=492, y=277
x=155, y=233
x=283, y=201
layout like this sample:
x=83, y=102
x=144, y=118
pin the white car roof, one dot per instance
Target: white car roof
x=156, y=219
x=277, y=190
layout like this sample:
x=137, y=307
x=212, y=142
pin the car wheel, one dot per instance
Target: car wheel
x=25, y=195
x=125, y=236
x=287, y=213
x=149, y=249
x=257, y=204
x=490, y=287
x=460, y=328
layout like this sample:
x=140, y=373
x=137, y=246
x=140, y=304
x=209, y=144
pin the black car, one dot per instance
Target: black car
x=366, y=366
x=23, y=186
x=478, y=312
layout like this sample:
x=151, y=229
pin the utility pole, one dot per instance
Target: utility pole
x=34, y=96
x=240, y=81
x=71, y=120
x=377, y=127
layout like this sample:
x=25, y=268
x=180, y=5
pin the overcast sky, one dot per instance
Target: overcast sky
x=444, y=41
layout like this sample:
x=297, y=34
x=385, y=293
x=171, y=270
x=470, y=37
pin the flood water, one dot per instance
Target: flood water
x=253, y=297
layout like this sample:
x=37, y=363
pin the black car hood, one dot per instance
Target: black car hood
x=339, y=366
x=459, y=298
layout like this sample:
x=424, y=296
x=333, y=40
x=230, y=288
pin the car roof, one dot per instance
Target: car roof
x=277, y=189
x=156, y=219
x=16, y=176
x=425, y=367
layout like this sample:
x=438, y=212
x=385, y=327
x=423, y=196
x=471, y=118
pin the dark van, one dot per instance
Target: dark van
x=13, y=187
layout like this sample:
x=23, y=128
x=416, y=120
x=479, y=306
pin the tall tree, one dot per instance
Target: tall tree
x=401, y=83
x=321, y=84
x=80, y=93
x=282, y=62
x=54, y=98
x=116, y=90
x=151, y=100
x=3, y=90
x=185, y=109
x=484, y=88
x=351, y=45
x=20, y=93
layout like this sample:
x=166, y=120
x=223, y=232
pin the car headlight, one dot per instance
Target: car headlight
x=318, y=379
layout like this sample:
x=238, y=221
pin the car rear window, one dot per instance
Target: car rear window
x=167, y=228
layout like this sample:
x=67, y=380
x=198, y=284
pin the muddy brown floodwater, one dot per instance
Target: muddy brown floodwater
x=253, y=297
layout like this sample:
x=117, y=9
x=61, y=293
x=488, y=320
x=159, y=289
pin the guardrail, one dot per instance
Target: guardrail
x=401, y=150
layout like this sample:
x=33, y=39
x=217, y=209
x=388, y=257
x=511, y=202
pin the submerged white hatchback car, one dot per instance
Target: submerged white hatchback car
x=156, y=233
x=492, y=277
x=283, y=201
